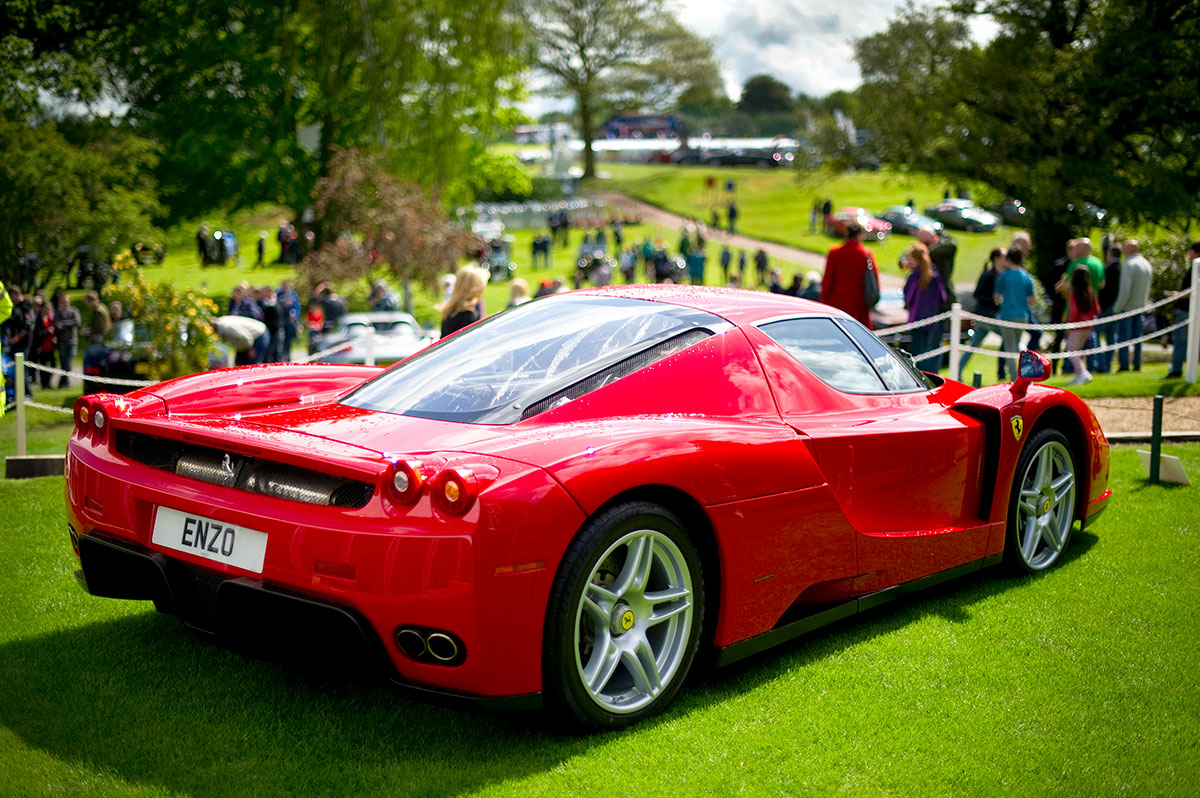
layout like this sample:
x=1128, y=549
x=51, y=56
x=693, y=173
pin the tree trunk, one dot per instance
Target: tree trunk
x=585, y=130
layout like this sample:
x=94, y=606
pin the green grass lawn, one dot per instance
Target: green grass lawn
x=1082, y=681
x=775, y=204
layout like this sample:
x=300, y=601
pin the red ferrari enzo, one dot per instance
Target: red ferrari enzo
x=566, y=502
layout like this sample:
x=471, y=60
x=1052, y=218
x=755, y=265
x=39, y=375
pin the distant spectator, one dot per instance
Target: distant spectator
x=382, y=298
x=1014, y=291
x=98, y=321
x=775, y=285
x=289, y=309
x=314, y=323
x=985, y=305
x=273, y=318
x=924, y=294
x=261, y=248
x=1082, y=305
x=518, y=293
x=726, y=259
x=116, y=311
x=733, y=217
x=335, y=307
x=942, y=251
x=1106, y=331
x=43, y=348
x=462, y=309
x=1132, y=293
x=797, y=286
x=760, y=266
x=845, y=273
x=814, y=216
x=67, y=322
x=695, y=265
x=812, y=288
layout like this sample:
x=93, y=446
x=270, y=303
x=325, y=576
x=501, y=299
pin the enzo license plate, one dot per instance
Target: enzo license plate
x=212, y=540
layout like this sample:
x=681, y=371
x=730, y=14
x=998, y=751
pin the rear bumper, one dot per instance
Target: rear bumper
x=248, y=614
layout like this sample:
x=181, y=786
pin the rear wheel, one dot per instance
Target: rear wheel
x=1042, y=509
x=624, y=619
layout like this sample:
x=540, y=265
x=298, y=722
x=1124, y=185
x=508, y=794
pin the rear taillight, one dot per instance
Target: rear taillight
x=405, y=481
x=92, y=418
x=454, y=490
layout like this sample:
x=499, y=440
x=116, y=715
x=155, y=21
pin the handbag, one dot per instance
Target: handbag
x=871, y=283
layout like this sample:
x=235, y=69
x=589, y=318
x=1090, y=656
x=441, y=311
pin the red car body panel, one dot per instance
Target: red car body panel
x=810, y=495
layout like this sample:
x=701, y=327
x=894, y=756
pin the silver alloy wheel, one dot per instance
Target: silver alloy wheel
x=1046, y=508
x=633, y=621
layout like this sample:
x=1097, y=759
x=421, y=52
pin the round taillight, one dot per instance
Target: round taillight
x=98, y=418
x=405, y=482
x=84, y=415
x=454, y=490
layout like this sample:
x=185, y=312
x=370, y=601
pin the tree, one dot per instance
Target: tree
x=381, y=220
x=1072, y=101
x=613, y=55
x=250, y=99
x=58, y=194
x=765, y=94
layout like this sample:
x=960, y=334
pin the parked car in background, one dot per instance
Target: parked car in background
x=837, y=223
x=397, y=335
x=906, y=221
x=765, y=158
x=962, y=214
x=125, y=354
x=1012, y=212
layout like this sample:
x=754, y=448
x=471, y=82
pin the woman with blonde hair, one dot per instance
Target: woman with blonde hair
x=462, y=308
x=519, y=292
x=924, y=294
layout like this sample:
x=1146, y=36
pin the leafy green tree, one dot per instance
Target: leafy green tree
x=763, y=94
x=58, y=194
x=611, y=55
x=250, y=99
x=1072, y=101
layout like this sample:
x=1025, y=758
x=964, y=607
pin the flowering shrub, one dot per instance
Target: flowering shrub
x=177, y=320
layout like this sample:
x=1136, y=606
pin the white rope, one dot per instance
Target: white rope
x=1081, y=352
x=914, y=325
x=88, y=377
x=40, y=406
x=326, y=352
x=1075, y=325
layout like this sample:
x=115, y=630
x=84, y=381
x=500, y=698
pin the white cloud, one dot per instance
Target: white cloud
x=808, y=44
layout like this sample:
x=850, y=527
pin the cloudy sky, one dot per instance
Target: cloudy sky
x=805, y=43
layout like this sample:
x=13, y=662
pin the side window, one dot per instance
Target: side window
x=825, y=350
x=896, y=374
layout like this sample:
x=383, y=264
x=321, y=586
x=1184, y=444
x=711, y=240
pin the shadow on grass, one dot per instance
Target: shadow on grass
x=951, y=601
x=146, y=701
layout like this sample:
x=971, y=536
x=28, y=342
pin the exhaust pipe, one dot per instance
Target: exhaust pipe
x=441, y=647
x=411, y=642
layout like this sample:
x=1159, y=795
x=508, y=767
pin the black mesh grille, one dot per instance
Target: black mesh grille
x=617, y=371
x=244, y=473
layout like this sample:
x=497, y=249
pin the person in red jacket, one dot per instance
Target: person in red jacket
x=845, y=270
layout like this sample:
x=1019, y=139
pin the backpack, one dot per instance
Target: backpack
x=871, y=283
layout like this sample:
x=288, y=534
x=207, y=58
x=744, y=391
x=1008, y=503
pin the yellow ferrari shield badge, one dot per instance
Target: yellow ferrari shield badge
x=1018, y=426
x=627, y=620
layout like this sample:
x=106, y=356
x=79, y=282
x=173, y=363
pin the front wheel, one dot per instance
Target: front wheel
x=1042, y=509
x=624, y=618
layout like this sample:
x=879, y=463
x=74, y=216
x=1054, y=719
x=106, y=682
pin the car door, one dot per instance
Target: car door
x=905, y=468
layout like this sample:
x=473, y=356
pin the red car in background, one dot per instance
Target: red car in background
x=564, y=503
x=837, y=224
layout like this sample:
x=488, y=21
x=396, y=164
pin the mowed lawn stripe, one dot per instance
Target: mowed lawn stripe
x=1080, y=681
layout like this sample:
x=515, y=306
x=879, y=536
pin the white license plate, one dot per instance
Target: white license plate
x=212, y=540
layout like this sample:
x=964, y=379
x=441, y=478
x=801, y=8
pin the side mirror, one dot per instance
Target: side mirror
x=1031, y=367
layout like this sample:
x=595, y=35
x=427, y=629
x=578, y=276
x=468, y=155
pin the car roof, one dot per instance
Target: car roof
x=736, y=305
x=377, y=317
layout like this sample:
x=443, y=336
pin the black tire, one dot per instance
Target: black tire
x=645, y=643
x=1043, y=507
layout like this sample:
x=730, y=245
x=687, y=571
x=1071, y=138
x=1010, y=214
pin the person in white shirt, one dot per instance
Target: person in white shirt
x=1134, y=293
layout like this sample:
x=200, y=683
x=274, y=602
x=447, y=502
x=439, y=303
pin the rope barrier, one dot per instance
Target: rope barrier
x=40, y=406
x=1080, y=352
x=1075, y=325
x=90, y=378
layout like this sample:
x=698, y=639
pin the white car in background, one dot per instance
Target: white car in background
x=396, y=336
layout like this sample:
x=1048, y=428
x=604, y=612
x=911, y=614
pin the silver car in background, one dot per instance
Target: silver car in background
x=395, y=334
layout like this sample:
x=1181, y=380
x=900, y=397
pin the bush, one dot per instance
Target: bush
x=179, y=321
